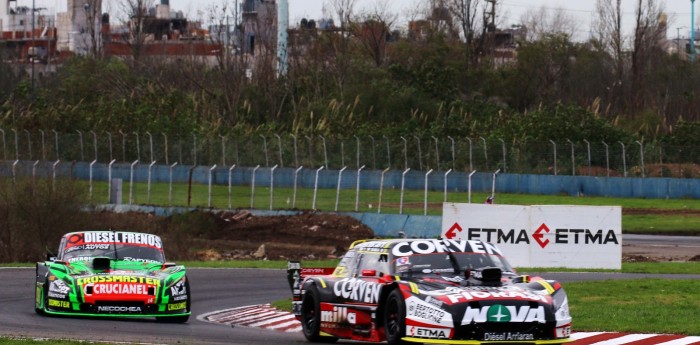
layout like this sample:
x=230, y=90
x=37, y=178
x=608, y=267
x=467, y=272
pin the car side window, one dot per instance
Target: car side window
x=374, y=261
x=347, y=265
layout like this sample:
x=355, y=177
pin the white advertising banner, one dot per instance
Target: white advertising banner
x=542, y=236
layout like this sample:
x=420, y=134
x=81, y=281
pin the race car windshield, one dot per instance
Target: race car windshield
x=126, y=252
x=442, y=263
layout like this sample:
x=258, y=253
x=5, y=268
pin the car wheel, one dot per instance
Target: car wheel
x=395, y=318
x=311, y=317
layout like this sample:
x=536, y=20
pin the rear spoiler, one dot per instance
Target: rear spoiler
x=296, y=276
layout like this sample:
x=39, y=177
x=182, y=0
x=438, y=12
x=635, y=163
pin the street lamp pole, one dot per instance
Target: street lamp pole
x=692, y=31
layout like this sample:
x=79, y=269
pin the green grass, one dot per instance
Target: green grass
x=283, y=198
x=640, y=305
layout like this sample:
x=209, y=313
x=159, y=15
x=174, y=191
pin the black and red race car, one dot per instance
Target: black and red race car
x=428, y=291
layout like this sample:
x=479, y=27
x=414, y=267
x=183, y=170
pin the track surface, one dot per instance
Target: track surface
x=213, y=289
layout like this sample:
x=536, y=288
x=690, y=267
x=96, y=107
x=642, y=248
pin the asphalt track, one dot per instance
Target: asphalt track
x=212, y=289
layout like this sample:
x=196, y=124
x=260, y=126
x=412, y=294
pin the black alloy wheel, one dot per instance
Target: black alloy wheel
x=311, y=317
x=395, y=318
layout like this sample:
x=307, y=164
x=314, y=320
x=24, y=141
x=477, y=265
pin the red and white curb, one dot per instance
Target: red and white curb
x=265, y=316
x=259, y=316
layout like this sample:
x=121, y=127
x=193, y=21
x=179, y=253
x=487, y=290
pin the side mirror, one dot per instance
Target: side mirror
x=50, y=257
x=369, y=273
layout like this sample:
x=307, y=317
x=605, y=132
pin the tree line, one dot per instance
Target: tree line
x=368, y=75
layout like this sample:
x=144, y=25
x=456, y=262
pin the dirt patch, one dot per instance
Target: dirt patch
x=307, y=236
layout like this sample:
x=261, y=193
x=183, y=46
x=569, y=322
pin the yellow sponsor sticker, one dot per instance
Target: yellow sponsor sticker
x=177, y=306
x=59, y=304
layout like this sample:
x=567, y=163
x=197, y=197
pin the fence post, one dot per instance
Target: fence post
x=357, y=189
x=43, y=144
x=447, y=173
x=279, y=147
x=493, y=183
x=165, y=149
x=294, y=195
x=503, y=146
x=94, y=142
x=4, y=145
x=573, y=158
x=82, y=151
x=325, y=151
x=641, y=156
x=150, y=144
x=211, y=172
x=486, y=154
x=388, y=151
x=471, y=164
x=150, y=167
x=109, y=137
x=357, y=139
x=109, y=180
x=57, y=151
x=223, y=150
x=607, y=158
x=337, y=193
x=425, y=195
x=14, y=171
x=53, y=169
x=272, y=185
x=469, y=187
x=588, y=148
x=138, y=145
x=267, y=158
x=34, y=169
x=555, y=156
x=170, y=188
x=313, y=207
x=437, y=153
x=252, y=185
x=131, y=182
x=29, y=143
x=381, y=190
x=90, y=182
x=624, y=159
x=405, y=153
x=16, y=145
x=420, y=153
x=452, y=140
x=230, y=171
x=296, y=155
x=403, y=184
x=374, y=153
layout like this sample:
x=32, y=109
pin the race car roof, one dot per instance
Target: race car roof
x=406, y=247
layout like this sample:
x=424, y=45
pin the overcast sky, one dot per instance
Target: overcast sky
x=511, y=10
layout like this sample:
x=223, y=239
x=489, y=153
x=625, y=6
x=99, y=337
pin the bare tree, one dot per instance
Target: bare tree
x=373, y=28
x=544, y=21
x=344, y=9
x=136, y=13
x=93, y=12
x=608, y=27
x=648, y=32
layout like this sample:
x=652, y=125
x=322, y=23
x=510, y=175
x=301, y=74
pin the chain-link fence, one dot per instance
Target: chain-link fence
x=552, y=157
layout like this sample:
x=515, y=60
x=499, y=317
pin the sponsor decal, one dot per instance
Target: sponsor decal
x=425, y=311
x=443, y=246
x=456, y=295
x=501, y=313
x=434, y=301
x=178, y=289
x=59, y=304
x=130, y=259
x=116, y=289
x=59, y=287
x=403, y=261
x=108, y=237
x=357, y=290
x=508, y=336
x=425, y=332
x=180, y=298
x=119, y=309
x=177, y=306
x=374, y=246
x=338, y=315
x=561, y=236
x=117, y=279
x=56, y=295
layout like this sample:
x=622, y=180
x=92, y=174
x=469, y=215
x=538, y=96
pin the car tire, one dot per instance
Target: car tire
x=311, y=317
x=395, y=318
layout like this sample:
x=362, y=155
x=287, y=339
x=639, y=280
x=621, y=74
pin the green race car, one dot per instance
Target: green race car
x=112, y=274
